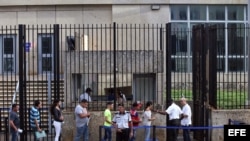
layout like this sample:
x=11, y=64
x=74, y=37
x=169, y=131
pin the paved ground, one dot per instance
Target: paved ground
x=30, y=138
x=49, y=138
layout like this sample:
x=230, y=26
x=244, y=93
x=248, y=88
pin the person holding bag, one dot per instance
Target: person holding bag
x=58, y=118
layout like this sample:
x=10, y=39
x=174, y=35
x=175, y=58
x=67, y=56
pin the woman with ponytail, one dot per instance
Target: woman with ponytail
x=58, y=118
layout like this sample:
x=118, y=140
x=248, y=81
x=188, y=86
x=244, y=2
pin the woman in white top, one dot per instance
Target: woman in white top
x=147, y=119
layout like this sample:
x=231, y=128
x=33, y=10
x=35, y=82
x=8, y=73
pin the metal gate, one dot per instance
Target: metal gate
x=25, y=38
x=30, y=78
x=204, y=77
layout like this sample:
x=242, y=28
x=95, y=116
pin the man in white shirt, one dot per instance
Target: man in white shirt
x=86, y=95
x=121, y=122
x=186, y=118
x=174, y=112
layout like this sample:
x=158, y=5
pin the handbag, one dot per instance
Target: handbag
x=41, y=134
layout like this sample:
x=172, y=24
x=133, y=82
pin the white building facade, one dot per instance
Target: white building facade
x=183, y=14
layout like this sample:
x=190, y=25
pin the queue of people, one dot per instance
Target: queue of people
x=124, y=122
x=178, y=116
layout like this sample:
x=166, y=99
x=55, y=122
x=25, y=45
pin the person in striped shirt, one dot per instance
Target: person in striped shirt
x=35, y=117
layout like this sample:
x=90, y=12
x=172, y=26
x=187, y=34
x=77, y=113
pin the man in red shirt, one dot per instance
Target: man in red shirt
x=135, y=118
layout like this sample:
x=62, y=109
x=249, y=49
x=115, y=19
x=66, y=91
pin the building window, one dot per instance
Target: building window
x=8, y=53
x=179, y=12
x=198, y=12
x=46, y=49
x=216, y=12
x=235, y=13
x=231, y=35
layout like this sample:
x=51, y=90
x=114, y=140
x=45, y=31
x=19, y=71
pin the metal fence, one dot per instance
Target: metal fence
x=145, y=62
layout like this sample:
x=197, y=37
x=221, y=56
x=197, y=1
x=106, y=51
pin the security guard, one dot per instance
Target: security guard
x=121, y=121
x=174, y=112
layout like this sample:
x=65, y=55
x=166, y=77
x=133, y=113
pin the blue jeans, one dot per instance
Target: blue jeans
x=147, y=133
x=107, y=133
x=134, y=135
x=82, y=132
x=186, y=134
x=14, y=136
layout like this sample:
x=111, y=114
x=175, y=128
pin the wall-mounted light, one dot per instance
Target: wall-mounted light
x=155, y=7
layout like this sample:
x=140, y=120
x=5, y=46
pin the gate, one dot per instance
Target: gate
x=204, y=77
x=30, y=69
x=48, y=83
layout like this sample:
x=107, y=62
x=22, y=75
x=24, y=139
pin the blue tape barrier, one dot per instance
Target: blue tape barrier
x=177, y=127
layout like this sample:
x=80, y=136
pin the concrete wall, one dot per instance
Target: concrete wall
x=218, y=118
x=92, y=11
x=139, y=61
x=65, y=2
x=93, y=14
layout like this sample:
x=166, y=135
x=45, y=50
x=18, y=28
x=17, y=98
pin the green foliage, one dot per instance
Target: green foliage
x=226, y=99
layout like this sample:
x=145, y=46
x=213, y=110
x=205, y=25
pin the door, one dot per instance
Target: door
x=144, y=87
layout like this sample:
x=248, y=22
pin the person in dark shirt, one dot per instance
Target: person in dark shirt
x=111, y=95
x=58, y=118
x=14, y=122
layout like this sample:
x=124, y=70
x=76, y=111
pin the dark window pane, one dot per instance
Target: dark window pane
x=235, y=64
x=46, y=45
x=8, y=45
x=46, y=64
x=217, y=12
x=236, y=33
x=198, y=12
x=179, y=64
x=246, y=13
x=8, y=65
x=178, y=12
x=221, y=64
x=220, y=35
x=179, y=36
x=235, y=12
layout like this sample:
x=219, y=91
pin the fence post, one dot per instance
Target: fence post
x=56, y=62
x=154, y=139
x=22, y=80
x=6, y=129
x=100, y=133
x=168, y=70
x=114, y=69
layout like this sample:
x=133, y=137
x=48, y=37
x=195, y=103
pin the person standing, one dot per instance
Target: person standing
x=111, y=95
x=14, y=122
x=58, y=118
x=186, y=118
x=121, y=122
x=147, y=119
x=174, y=112
x=86, y=95
x=82, y=118
x=108, y=122
x=121, y=98
x=35, y=118
x=135, y=118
